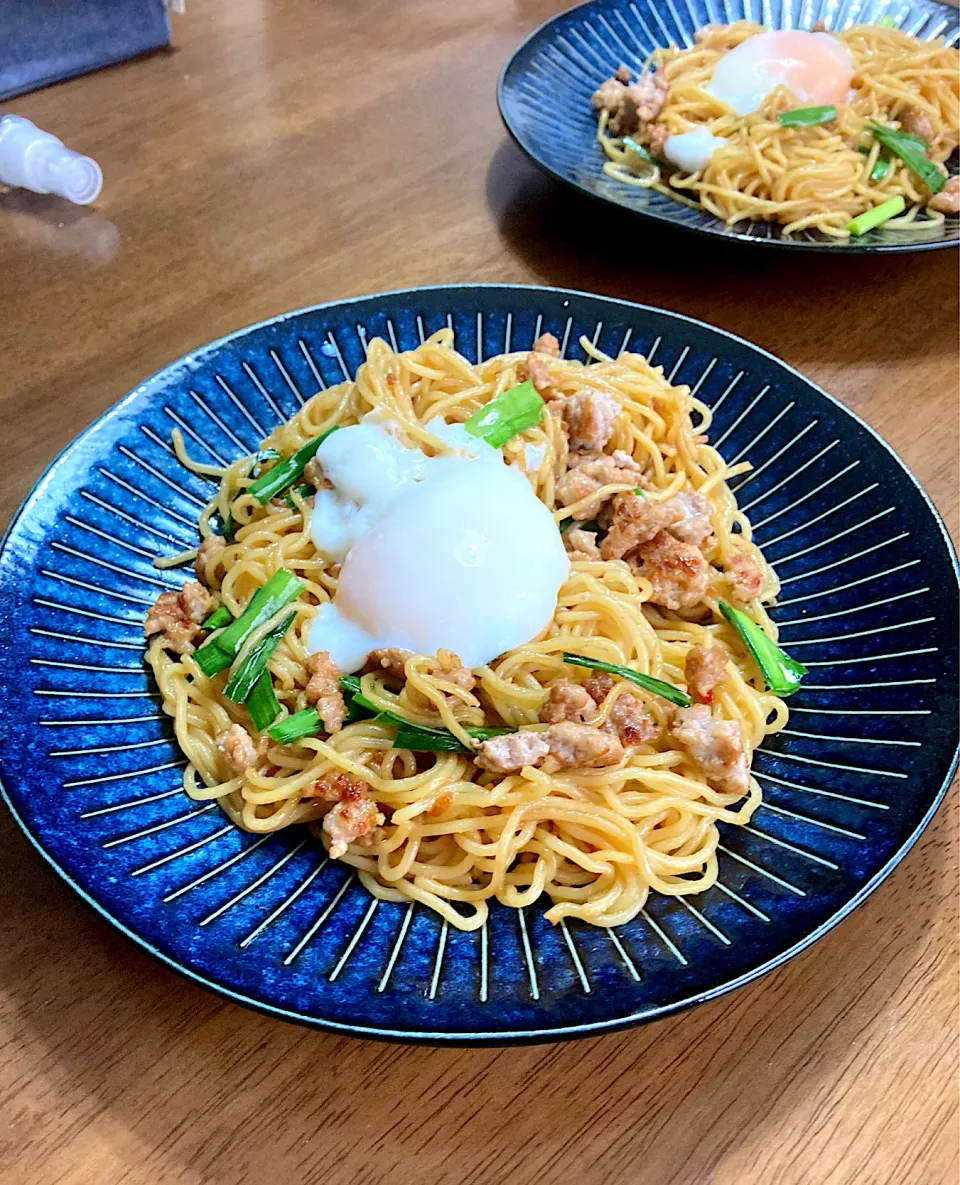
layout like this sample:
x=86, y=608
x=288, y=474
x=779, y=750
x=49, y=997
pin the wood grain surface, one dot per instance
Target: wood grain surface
x=305, y=150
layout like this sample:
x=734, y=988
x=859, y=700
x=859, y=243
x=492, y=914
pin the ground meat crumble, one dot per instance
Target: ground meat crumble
x=323, y=691
x=354, y=817
x=631, y=720
x=509, y=754
x=567, y=700
x=632, y=520
x=565, y=745
x=177, y=617
x=572, y=745
x=590, y=472
x=715, y=745
x=947, y=201
x=705, y=668
x=744, y=576
x=630, y=106
x=581, y=545
x=590, y=417
x=677, y=571
x=210, y=551
x=536, y=367
x=238, y=749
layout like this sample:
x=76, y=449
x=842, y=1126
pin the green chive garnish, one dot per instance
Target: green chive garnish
x=265, y=454
x=638, y=150
x=807, y=117
x=304, y=492
x=418, y=738
x=877, y=216
x=301, y=724
x=351, y=685
x=286, y=472
x=656, y=686
x=218, y=619
x=881, y=168
x=262, y=702
x=219, y=652
x=781, y=672
x=589, y=524
x=912, y=151
x=241, y=681
x=503, y=418
x=439, y=740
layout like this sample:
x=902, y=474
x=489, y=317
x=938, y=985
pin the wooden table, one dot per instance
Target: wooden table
x=301, y=151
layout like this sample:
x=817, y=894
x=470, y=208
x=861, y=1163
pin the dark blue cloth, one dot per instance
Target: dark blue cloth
x=44, y=41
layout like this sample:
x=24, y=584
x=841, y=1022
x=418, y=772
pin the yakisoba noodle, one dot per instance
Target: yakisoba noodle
x=803, y=177
x=596, y=841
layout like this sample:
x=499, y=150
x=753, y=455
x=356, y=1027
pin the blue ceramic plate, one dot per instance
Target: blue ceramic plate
x=93, y=775
x=545, y=88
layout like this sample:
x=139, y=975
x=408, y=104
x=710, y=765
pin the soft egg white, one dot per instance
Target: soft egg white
x=815, y=66
x=692, y=151
x=370, y=468
x=453, y=552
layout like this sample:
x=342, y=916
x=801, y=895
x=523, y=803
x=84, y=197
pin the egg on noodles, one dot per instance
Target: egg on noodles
x=490, y=630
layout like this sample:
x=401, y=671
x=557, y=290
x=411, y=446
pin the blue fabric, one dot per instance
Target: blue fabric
x=44, y=41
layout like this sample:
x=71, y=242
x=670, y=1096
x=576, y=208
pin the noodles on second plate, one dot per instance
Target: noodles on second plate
x=805, y=177
x=596, y=838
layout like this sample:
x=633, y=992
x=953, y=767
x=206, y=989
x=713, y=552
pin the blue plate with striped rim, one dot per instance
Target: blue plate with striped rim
x=544, y=96
x=92, y=774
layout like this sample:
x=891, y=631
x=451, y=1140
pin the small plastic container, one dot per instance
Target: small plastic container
x=36, y=160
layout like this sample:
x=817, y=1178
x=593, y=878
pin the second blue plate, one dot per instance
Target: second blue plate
x=545, y=88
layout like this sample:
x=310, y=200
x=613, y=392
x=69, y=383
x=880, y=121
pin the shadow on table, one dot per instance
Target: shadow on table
x=185, y=1087
x=52, y=224
x=826, y=309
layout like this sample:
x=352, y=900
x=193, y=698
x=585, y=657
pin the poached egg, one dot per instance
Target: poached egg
x=815, y=66
x=454, y=552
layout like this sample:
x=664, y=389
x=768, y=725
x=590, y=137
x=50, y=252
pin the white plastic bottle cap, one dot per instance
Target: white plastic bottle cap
x=37, y=160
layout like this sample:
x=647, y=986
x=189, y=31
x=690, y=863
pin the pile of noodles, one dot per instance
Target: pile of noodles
x=597, y=841
x=805, y=177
